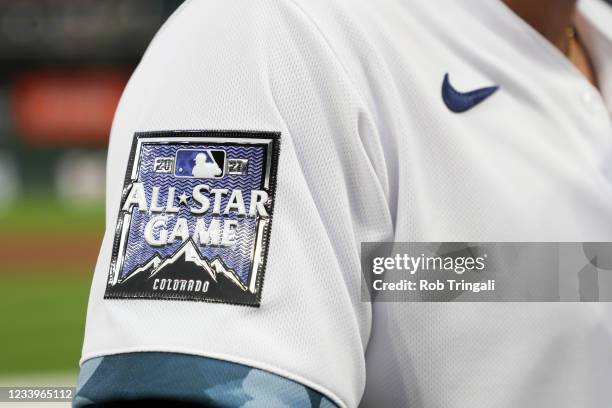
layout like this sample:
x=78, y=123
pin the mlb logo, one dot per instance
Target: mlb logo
x=206, y=164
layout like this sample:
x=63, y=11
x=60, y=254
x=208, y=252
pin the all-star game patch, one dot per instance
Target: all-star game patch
x=195, y=217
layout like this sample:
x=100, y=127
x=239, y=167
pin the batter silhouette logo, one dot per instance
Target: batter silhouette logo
x=195, y=217
x=200, y=163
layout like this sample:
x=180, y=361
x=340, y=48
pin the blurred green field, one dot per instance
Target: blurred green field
x=42, y=321
x=39, y=211
x=44, y=303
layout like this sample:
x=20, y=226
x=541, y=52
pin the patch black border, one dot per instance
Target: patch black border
x=274, y=151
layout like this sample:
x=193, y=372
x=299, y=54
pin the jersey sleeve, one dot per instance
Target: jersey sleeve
x=134, y=380
x=243, y=174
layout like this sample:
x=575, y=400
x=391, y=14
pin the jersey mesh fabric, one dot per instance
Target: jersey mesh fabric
x=369, y=152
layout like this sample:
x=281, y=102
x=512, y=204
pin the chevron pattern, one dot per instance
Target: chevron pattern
x=238, y=257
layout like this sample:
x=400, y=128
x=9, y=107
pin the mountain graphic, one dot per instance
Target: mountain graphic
x=186, y=264
x=149, y=265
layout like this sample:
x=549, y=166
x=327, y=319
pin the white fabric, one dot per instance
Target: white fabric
x=369, y=152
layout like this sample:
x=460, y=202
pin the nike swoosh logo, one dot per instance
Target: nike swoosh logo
x=462, y=101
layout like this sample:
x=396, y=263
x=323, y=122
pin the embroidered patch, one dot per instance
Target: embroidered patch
x=195, y=217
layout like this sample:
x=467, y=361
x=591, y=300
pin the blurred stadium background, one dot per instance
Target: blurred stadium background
x=63, y=67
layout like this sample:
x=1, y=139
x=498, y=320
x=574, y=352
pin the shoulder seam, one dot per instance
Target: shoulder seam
x=331, y=48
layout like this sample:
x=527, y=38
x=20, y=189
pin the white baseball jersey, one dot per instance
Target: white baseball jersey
x=330, y=116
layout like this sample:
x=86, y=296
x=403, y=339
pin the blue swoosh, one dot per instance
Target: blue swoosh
x=462, y=101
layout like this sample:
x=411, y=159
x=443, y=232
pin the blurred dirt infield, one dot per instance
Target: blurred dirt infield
x=41, y=232
x=41, y=250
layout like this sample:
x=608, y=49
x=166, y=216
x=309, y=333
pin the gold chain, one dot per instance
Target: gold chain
x=570, y=39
